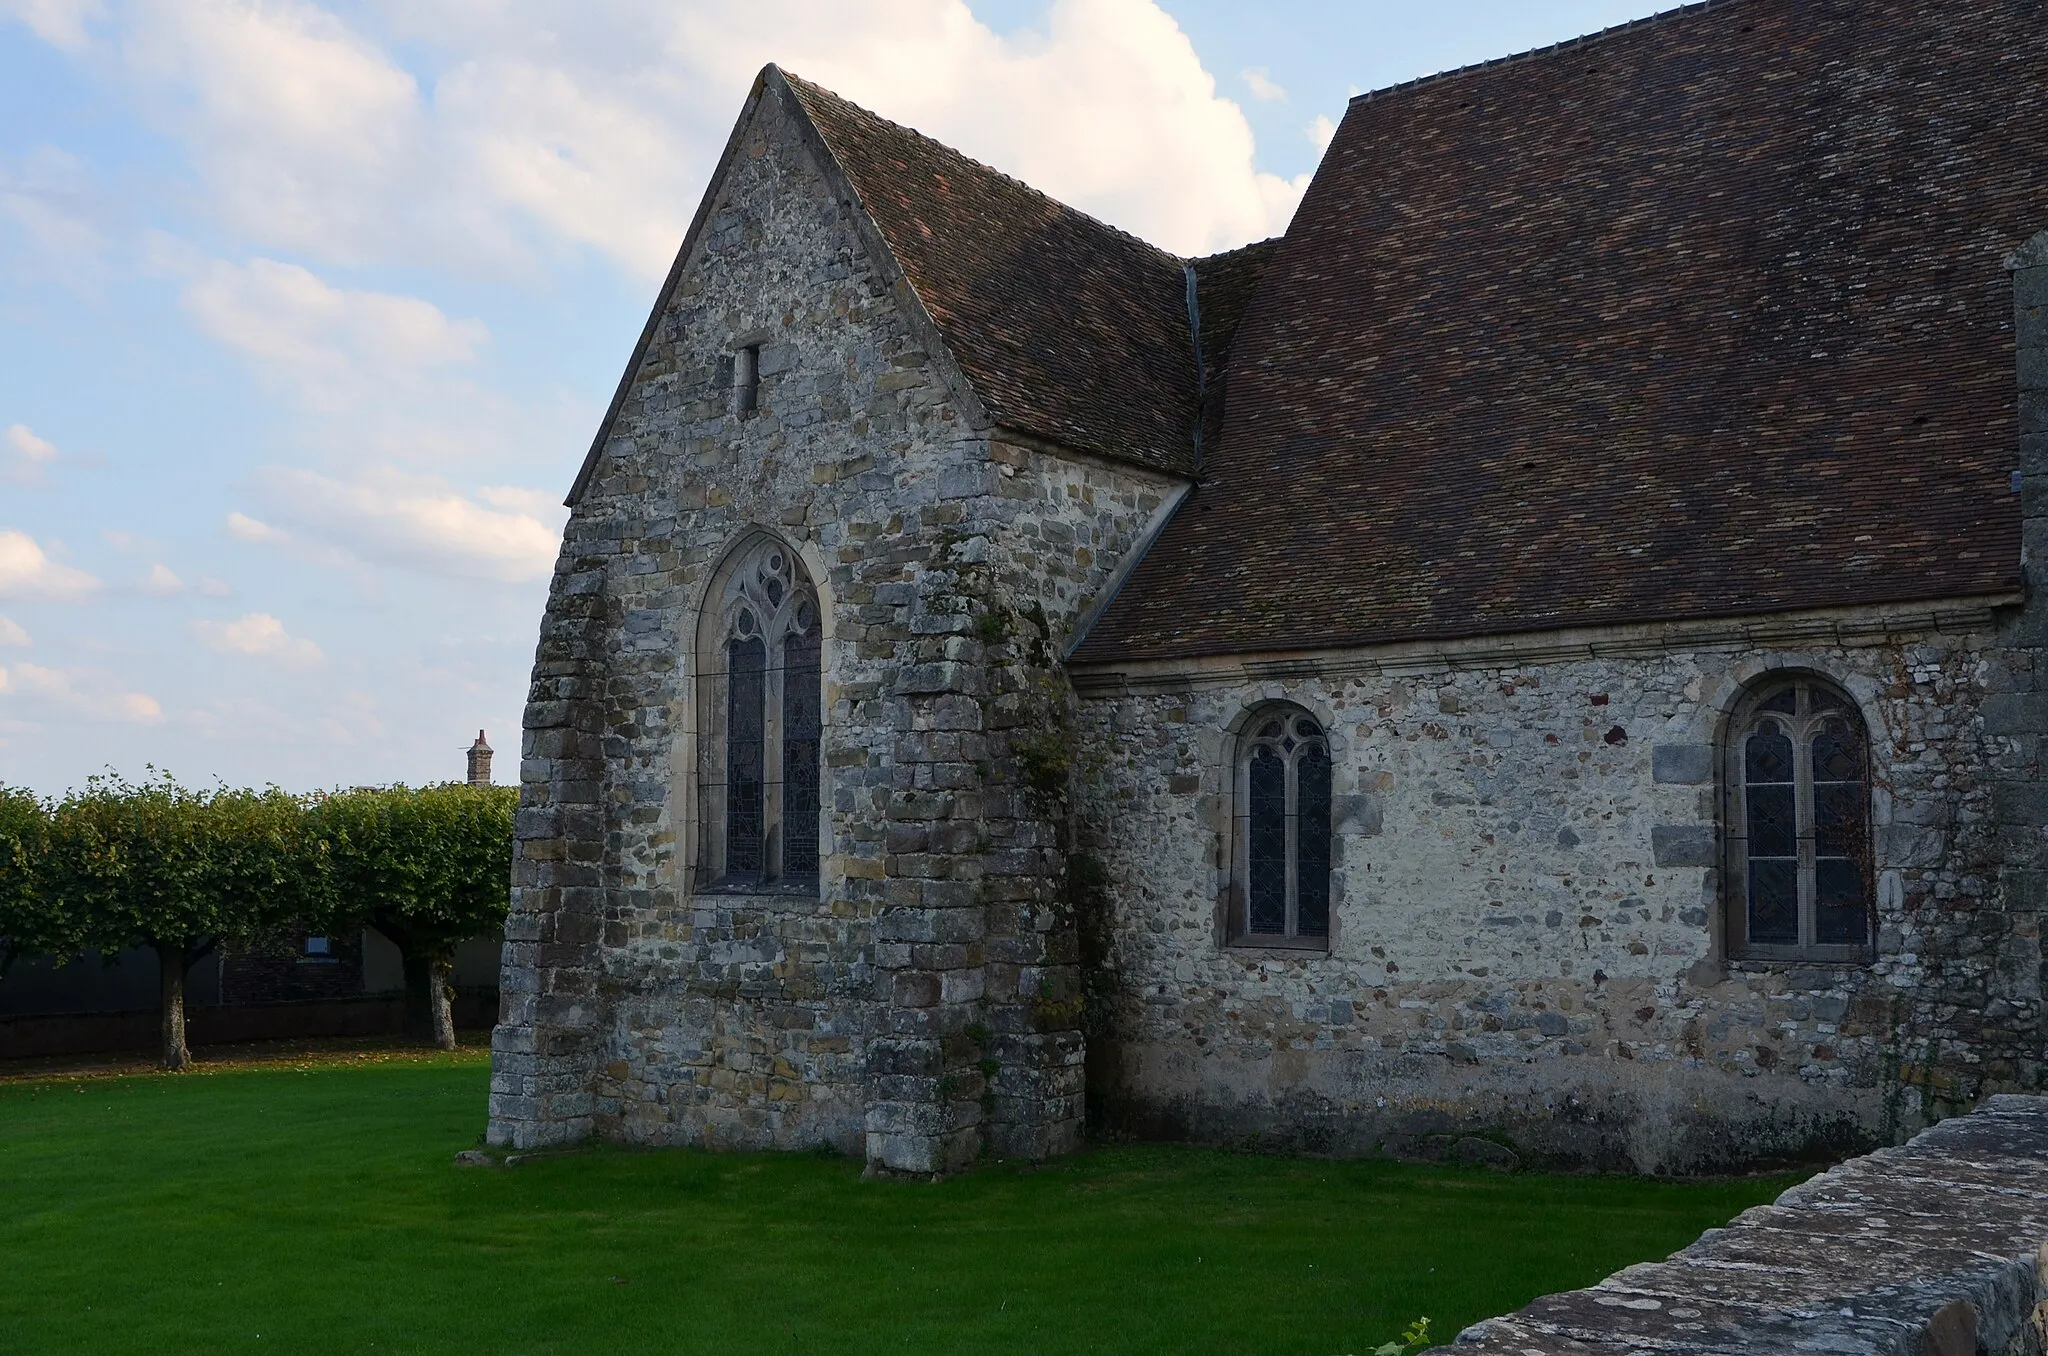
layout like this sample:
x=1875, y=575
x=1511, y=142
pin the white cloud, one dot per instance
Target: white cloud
x=61, y=23
x=27, y=458
x=61, y=217
x=160, y=582
x=260, y=636
x=244, y=528
x=209, y=587
x=1259, y=80
x=27, y=572
x=594, y=123
x=303, y=133
x=385, y=517
x=81, y=694
x=1322, y=132
x=12, y=634
x=127, y=542
x=338, y=345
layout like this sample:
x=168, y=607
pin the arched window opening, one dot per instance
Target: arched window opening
x=1281, y=895
x=764, y=710
x=1798, y=863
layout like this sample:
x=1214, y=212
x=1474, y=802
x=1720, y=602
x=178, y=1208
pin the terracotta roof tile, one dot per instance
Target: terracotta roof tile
x=1066, y=327
x=1702, y=317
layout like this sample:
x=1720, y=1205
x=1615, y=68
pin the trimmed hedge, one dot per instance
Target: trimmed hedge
x=156, y=864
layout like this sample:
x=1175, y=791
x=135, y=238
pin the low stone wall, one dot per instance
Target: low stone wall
x=1939, y=1248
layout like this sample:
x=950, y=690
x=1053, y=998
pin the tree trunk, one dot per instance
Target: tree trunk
x=429, y=1005
x=171, y=969
x=443, y=973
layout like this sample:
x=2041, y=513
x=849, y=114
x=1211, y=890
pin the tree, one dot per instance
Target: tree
x=31, y=922
x=428, y=867
x=179, y=871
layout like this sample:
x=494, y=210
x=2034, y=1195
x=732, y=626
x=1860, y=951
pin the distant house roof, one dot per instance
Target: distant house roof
x=1704, y=316
x=1067, y=328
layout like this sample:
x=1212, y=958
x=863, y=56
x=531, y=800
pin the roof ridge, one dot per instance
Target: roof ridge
x=812, y=87
x=1238, y=249
x=1659, y=17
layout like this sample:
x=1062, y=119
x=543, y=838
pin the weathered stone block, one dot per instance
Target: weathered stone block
x=1685, y=845
x=1682, y=764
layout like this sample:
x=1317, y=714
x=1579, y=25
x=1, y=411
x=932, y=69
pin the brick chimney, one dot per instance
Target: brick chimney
x=479, y=762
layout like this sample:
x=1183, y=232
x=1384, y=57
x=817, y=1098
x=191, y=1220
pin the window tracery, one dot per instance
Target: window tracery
x=763, y=705
x=1281, y=894
x=1798, y=860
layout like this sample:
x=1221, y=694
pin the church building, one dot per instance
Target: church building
x=1545, y=662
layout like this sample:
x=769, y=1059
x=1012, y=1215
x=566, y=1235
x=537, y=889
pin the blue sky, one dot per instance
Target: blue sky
x=308, y=313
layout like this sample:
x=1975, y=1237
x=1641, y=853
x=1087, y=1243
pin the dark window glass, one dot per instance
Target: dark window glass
x=1267, y=847
x=1767, y=757
x=1804, y=845
x=1838, y=819
x=745, y=757
x=1841, y=904
x=801, y=726
x=1773, y=822
x=1774, y=901
x=1837, y=753
x=1312, y=836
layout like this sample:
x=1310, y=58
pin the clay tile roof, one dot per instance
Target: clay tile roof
x=1704, y=316
x=1067, y=328
x=1225, y=285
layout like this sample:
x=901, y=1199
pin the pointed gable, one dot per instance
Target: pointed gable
x=1704, y=316
x=1066, y=328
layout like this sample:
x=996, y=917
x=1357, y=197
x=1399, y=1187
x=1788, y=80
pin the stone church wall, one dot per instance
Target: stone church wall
x=1524, y=952
x=917, y=1008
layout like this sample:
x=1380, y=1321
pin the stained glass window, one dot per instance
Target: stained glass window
x=762, y=775
x=744, y=775
x=1284, y=832
x=801, y=728
x=1799, y=847
x=1266, y=850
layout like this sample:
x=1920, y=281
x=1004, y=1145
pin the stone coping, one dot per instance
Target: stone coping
x=1937, y=1248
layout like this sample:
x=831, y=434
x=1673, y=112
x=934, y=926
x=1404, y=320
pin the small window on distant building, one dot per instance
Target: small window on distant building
x=316, y=946
x=746, y=379
x=1280, y=890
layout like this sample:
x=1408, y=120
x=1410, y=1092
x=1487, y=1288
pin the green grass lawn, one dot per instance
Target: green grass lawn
x=316, y=1209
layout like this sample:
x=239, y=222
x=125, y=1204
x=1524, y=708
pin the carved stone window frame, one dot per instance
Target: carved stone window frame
x=761, y=594
x=1801, y=707
x=1290, y=738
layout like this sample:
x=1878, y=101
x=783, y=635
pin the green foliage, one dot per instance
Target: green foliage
x=157, y=864
x=428, y=866
x=154, y=863
x=30, y=921
x=1416, y=1338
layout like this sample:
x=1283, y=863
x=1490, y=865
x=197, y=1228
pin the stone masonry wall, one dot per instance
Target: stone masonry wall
x=917, y=1008
x=1937, y=1248
x=1524, y=956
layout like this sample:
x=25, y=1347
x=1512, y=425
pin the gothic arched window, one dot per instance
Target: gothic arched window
x=762, y=720
x=1797, y=787
x=1281, y=894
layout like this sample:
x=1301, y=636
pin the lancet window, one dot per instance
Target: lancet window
x=763, y=722
x=1281, y=894
x=1798, y=861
